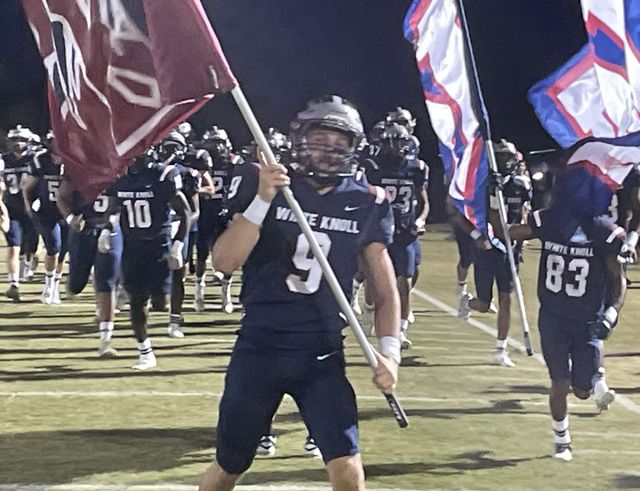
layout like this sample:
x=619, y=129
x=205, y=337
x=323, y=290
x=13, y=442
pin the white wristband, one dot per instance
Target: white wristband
x=390, y=347
x=257, y=211
x=632, y=239
x=475, y=234
x=69, y=218
x=611, y=315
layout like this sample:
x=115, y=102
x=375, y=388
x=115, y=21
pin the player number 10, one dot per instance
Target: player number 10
x=138, y=213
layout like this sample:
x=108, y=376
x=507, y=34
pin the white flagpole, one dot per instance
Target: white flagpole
x=329, y=275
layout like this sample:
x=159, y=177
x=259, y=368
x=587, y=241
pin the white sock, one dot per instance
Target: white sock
x=462, y=287
x=57, y=276
x=404, y=325
x=145, y=347
x=369, y=307
x=14, y=279
x=599, y=382
x=48, y=279
x=561, y=431
x=174, y=320
x=501, y=344
x=200, y=281
x=106, y=330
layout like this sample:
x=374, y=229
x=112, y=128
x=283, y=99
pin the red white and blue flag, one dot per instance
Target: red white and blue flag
x=597, y=92
x=591, y=105
x=435, y=29
x=121, y=74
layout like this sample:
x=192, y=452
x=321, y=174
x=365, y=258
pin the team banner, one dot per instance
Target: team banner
x=434, y=28
x=121, y=74
x=597, y=92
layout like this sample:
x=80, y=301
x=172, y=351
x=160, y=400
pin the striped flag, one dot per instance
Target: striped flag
x=121, y=74
x=597, y=92
x=434, y=27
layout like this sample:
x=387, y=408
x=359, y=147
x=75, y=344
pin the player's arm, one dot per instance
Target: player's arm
x=28, y=184
x=207, y=187
x=234, y=246
x=423, y=202
x=614, y=299
x=65, y=195
x=180, y=205
x=382, y=281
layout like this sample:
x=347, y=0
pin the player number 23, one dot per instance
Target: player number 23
x=308, y=276
x=555, y=268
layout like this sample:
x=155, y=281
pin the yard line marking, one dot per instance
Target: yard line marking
x=367, y=397
x=620, y=399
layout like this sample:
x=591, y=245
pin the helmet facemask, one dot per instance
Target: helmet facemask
x=326, y=137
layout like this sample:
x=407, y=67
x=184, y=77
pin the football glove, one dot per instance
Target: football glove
x=104, y=241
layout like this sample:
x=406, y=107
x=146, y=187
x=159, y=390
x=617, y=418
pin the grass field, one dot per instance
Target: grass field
x=72, y=422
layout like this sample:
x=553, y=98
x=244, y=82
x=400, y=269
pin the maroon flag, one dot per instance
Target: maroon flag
x=122, y=73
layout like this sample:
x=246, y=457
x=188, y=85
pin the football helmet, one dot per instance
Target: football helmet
x=173, y=144
x=19, y=138
x=143, y=161
x=217, y=142
x=403, y=117
x=507, y=157
x=395, y=143
x=327, y=164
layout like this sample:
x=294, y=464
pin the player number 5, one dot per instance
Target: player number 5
x=308, y=276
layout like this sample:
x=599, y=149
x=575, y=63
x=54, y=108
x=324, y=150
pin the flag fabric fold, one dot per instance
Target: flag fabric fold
x=434, y=27
x=597, y=92
x=121, y=74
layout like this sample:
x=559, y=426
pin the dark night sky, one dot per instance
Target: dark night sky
x=287, y=51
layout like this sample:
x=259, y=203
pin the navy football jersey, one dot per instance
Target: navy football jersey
x=49, y=175
x=403, y=186
x=97, y=213
x=15, y=170
x=287, y=302
x=145, y=199
x=572, y=275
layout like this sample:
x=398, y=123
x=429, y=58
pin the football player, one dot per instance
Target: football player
x=40, y=191
x=403, y=177
x=213, y=216
x=581, y=290
x=16, y=168
x=94, y=242
x=147, y=194
x=492, y=266
x=290, y=341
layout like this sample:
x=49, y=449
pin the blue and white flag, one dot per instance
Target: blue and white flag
x=434, y=27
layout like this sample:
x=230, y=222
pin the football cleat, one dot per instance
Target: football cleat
x=13, y=293
x=562, y=452
x=267, y=446
x=106, y=350
x=145, y=362
x=47, y=296
x=463, y=307
x=411, y=318
x=603, y=395
x=405, y=343
x=501, y=358
x=55, y=295
x=311, y=450
x=175, y=332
